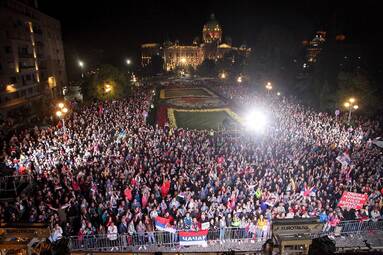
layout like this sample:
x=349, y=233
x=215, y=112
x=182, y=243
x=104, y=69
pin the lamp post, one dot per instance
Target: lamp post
x=107, y=88
x=61, y=113
x=350, y=105
x=128, y=63
x=269, y=87
x=239, y=79
x=81, y=65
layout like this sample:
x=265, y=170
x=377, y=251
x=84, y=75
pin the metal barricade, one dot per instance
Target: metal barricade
x=125, y=242
x=162, y=238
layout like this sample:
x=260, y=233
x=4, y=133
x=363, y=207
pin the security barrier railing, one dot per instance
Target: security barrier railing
x=161, y=238
x=120, y=242
x=355, y=226
x=13, y=183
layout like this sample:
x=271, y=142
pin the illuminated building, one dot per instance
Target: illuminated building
x=176, y=55
x=32, y=65
x=212, y=31
x=148, y=50
x=314, y=47
x=182, y=56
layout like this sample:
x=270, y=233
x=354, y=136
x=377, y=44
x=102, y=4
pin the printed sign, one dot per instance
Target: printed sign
x=193, y=237
x=352, y=200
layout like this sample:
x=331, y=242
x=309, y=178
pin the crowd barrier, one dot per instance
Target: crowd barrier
x=168, y=239
x=14, y=182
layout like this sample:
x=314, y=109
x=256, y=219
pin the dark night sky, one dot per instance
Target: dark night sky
x=109, y=31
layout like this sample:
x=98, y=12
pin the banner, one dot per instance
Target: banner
x=164, y=224
x=193, y=237
x=352, y=200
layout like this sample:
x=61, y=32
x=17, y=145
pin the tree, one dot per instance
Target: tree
x=207, y=68
x=155, y=66
x=109, y=82
x=360, y=86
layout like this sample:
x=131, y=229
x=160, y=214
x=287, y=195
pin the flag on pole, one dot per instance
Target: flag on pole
x=344, y=159
x=164, y=224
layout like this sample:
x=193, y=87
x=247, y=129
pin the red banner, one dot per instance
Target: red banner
x=352, y=200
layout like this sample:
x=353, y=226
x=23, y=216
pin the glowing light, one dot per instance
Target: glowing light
x=256, y=121
x=108, y=88
x=352, y=100
x=81, y=64
x=65, y=110
x=59, y=113
x=239, y=79
x=128, y=61
x=183, y=60
x=223, y=75
x=10, y=88
x=356, y=107
x=347, y=104
x=52, y=81
x=30, y=27
x=269, y=86
x=60, y=105
x=278, y=93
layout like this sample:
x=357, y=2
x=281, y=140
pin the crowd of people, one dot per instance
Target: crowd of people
x=111, y=173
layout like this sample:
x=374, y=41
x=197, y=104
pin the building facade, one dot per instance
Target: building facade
x=147, y=51
x=32, y=64
x=182, y=56
x=176, y=55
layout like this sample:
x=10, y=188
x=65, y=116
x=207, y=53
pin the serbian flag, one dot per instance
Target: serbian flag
x=344, y=159
x=164, y=224
x=193, y=237
x=307, y=190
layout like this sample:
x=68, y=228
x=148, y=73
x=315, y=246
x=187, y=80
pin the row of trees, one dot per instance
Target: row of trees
x=107, y=83
x=341, y=72
x=342, y=69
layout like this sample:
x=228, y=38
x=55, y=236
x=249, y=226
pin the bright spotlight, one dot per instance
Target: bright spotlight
x=256, y=121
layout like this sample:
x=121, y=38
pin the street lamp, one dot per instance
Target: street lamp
x=278, y=93
x=239, y=79
x=108, y=88
x=350, y=106
x=128, y=61
x=223, y=75
x=269, y=87
x=61, y=113
x=81, y=65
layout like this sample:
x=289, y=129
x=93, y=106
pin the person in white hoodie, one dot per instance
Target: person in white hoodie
x=112, y=235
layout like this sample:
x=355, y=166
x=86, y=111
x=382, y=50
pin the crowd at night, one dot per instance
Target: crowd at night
x=112, y=173
x=164, y=126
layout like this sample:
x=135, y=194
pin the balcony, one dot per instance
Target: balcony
x=27, y=68
x=25, y=55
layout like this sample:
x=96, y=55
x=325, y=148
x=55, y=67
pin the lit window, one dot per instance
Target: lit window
x=52, y=81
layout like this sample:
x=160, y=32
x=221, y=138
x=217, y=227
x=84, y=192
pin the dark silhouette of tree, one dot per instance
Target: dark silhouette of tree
x=107, y=75
x=156, y=65
x=207, y=68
